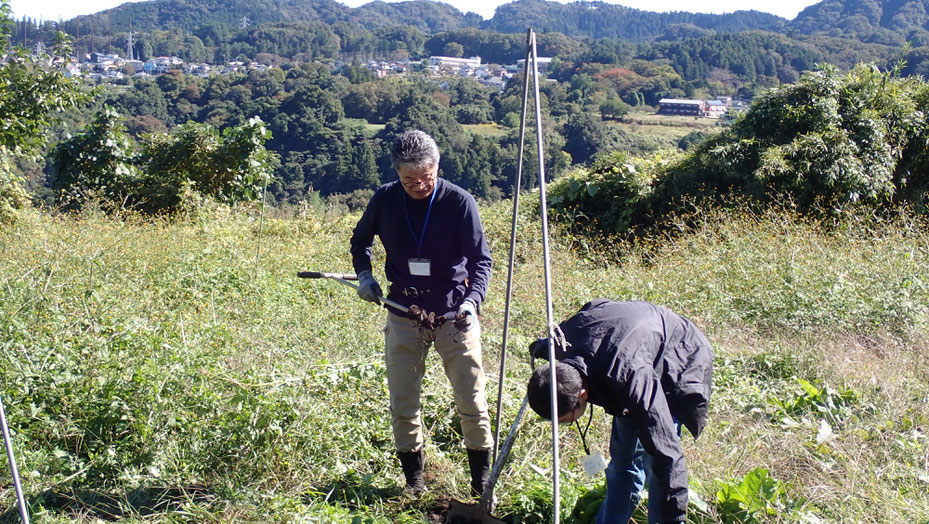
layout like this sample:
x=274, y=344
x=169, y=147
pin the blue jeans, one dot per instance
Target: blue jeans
x=630, y=466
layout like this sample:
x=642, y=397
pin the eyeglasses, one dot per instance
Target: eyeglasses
x=425, y=181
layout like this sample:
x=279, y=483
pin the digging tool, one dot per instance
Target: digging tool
x=344, y=278
x=462, y=513
x=415, y=313
x=13, y=471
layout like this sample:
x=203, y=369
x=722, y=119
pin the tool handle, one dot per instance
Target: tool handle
x=488, y=494
x=319, y=274
x=344, y=279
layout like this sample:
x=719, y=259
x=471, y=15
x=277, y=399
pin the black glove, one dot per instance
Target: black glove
x=368, y=288
x=539, y=348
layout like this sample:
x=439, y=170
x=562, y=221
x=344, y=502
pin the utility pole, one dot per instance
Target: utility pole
x=39, y=45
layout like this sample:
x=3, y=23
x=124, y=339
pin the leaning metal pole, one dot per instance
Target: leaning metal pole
x=9, y=453
x=509, y=277
x=543, y=208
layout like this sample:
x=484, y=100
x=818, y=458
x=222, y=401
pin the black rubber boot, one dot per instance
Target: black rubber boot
x=412, y=463
x=479, y=463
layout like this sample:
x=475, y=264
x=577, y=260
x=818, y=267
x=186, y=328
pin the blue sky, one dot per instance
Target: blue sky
x=65, y=9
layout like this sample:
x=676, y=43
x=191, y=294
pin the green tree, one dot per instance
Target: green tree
x=453, y=49
x=230, y=167
x=12, y=194
x=33, y=93
x=614, y=109
x=98, y=163
x=585, y=136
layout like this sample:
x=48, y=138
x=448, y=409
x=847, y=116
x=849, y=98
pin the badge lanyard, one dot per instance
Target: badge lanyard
x=595, y=463
x=419, y=241
x=583, y=434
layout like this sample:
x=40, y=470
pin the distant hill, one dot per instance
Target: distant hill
x=603, y=20
x=425, y=15
x=879, y=21
x=892, y=22
x=578, y=19
x=189, y=14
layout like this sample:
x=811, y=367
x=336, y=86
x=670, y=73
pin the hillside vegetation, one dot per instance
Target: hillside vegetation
x=169, y=371
x=831, y=142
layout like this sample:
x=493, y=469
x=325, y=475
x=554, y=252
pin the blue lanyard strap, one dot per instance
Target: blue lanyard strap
x=419, y=241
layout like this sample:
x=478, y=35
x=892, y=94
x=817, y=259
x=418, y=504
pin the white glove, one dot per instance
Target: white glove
x=467, y=315
x=368, y=288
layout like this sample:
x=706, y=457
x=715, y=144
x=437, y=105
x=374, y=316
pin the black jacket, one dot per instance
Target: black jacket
x=648, y=363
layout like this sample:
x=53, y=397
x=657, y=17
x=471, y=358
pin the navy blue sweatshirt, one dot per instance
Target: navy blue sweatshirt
x=453, y=241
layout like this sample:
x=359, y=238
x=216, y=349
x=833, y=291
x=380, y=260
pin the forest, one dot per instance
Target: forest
x=327, y=117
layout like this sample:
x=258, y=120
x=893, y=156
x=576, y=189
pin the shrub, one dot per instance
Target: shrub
x=611, y=196
x=12, y=195
x=228, y=167
x=98, y=162
x=831, y=141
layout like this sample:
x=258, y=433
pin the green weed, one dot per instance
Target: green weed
x=754, y=498
x=169, y=371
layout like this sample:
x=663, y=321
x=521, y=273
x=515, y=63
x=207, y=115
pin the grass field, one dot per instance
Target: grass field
x=664, y=128
x=489, y=130
x=169, y=371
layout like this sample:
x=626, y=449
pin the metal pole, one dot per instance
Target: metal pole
x=509, y=277
x=261, y=221
x=543, y=208
x=9, y=454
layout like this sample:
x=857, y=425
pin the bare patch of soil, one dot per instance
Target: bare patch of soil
x=438, y=511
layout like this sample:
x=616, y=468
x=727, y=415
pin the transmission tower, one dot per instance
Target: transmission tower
x=129, y=53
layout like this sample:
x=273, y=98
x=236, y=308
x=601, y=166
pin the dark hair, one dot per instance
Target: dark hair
x=569, y=387
x=415, y=148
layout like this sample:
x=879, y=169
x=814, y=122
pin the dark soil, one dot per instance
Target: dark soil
x=438, y=511
x=438, y=514
x=425, y=319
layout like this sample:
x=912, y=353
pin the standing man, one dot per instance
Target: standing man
x=652, y=370
x=437, y=259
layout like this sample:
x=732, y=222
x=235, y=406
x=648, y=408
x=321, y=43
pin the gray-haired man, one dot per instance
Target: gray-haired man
x=438, y=259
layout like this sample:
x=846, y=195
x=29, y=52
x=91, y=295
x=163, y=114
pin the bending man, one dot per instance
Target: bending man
x=652, y=370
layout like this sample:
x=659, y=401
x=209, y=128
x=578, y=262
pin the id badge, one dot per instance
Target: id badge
x=594, y=463
x=420, y=267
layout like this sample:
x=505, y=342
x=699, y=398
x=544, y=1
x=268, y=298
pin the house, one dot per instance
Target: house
x=104, y=59
x=493, y=81
x=542, y=63
x=680, y=106
x=451, y=61
x=715, y=109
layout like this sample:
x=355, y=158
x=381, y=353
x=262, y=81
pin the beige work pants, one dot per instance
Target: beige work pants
x=405, y=356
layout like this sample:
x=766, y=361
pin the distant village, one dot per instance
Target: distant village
x=103, y=67
x=108, y=67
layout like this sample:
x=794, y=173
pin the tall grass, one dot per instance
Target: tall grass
x=152, y=370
